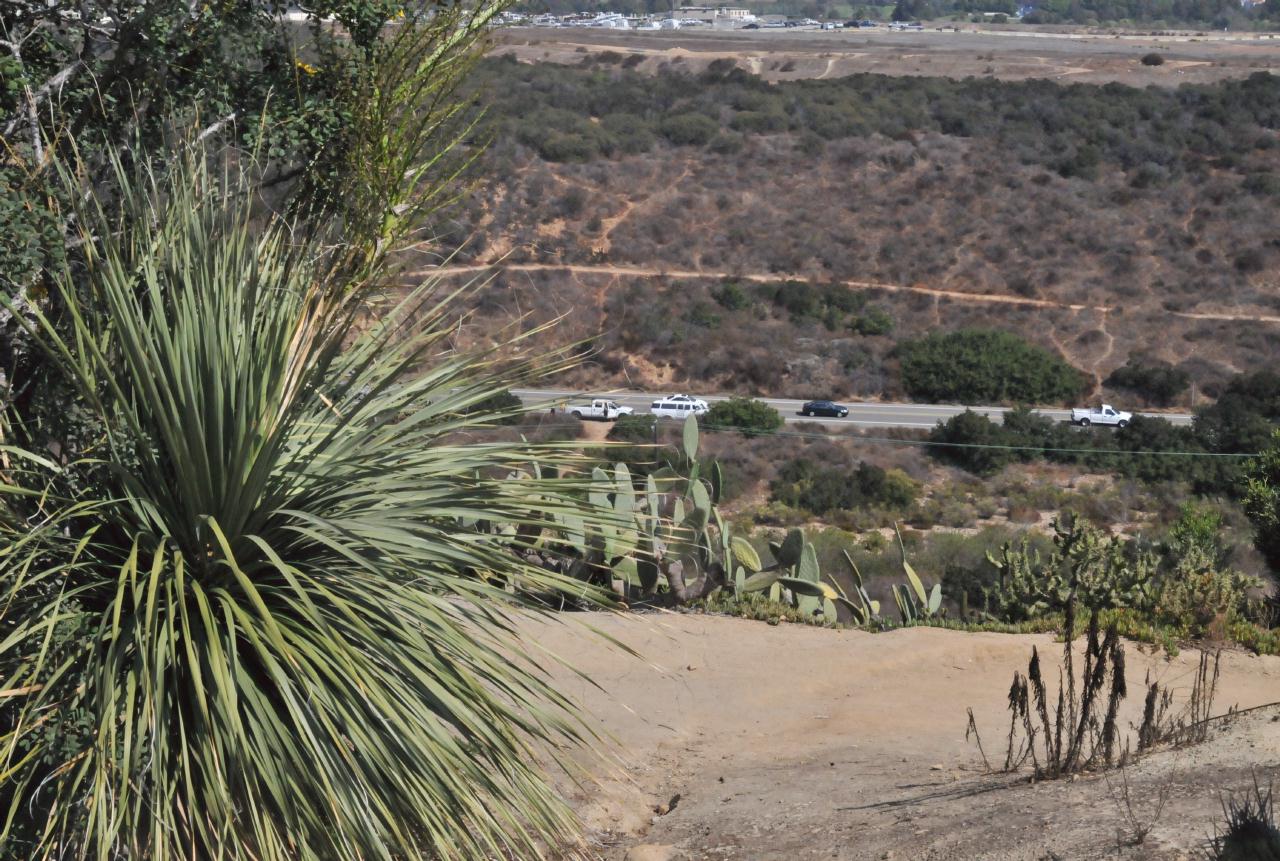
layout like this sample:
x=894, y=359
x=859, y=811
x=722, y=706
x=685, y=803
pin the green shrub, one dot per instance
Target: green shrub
x=638, y=434
x=731, y=296
x=747, y=415
x=1262, y=502
x=689, y=129
x=1262, y=183
x=638, y=429
x=703, y=315
x=983, y=366
x=820, y=489
x=726, y=144
x=874, y=321
x=759, y=122
x=809, y=300
x=270, y=633
x=501, y=408
x=630, y=133
x=1152, y=59
x=1158, y=382
x=973, y=442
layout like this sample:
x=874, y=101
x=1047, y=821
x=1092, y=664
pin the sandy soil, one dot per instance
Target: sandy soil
x=796, y=742
x=1012, y=54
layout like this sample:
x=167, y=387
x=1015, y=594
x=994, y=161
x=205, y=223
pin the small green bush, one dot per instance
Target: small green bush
x=505, y=405
x=820, y=489
x=874, y=321
x=630, y=133
x=972, y=442
x=731, y=296
x=1152, y=59
x=689, y=129
x=747, y=415
x=1158, y=382
x=637, y=451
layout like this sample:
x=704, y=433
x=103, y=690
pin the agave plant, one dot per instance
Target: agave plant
x=259, y=619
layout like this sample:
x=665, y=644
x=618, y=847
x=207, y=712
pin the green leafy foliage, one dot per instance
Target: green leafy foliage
x=1244, y=416
x=237, y=71
x=979, y=366
x=1184, y=587
x=283, y=603
x=502, y=408
x=1098, y=572
x=974, y=442
x=747, y=415
x=1150, y=449
x=1157, y=382
x=731, y=296
x=689, y=129
x=821, y=490
x=1262, y=501
x=353, y=125
x=1078, y=131
x=634, y=437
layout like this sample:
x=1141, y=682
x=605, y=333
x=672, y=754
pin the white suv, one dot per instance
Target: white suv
x=678, y=407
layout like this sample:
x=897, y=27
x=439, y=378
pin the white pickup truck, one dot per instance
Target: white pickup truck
x=599, y=408
x=1103, y=415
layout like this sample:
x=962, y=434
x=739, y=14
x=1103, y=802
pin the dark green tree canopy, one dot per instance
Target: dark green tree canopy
x=982, y=366
x=745, y=414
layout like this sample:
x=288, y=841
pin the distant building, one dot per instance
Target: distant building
x=713, y=14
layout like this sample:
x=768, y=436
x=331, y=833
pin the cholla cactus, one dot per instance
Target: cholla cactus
x=1100, y=572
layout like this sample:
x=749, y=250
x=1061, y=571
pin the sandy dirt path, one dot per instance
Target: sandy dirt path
x=793, y=742
x=615, y=271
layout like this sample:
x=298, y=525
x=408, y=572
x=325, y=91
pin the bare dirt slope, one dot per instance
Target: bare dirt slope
x=795, y=742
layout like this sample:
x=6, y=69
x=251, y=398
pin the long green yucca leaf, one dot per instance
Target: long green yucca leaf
x=263, y=630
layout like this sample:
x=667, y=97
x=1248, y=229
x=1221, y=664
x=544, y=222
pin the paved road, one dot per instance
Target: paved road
x=871, y=415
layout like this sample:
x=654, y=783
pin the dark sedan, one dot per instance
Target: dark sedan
x=824, y=408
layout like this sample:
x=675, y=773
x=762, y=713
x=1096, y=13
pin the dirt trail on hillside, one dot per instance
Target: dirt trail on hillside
x=615, y=271
x=794, y=742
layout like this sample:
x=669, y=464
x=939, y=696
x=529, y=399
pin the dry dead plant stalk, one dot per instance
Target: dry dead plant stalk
x=1191, y=725
x=1081, y=733
x=1137, y=825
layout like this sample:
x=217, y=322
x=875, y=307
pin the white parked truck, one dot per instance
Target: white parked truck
x=599, y=408
x=1101, y=415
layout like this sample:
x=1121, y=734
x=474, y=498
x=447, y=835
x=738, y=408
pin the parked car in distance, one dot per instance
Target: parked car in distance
x=824, y=408
x=1101, y=415
x=678, y=407
x=599, y=408
x=751, y=27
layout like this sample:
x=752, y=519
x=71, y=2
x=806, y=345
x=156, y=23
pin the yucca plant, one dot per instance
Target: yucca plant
x=266, y=615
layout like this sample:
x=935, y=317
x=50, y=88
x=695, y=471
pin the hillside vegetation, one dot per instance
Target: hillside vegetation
x=1120, y=222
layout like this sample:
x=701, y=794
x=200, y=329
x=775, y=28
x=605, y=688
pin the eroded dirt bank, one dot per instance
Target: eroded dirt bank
x=794, y=742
